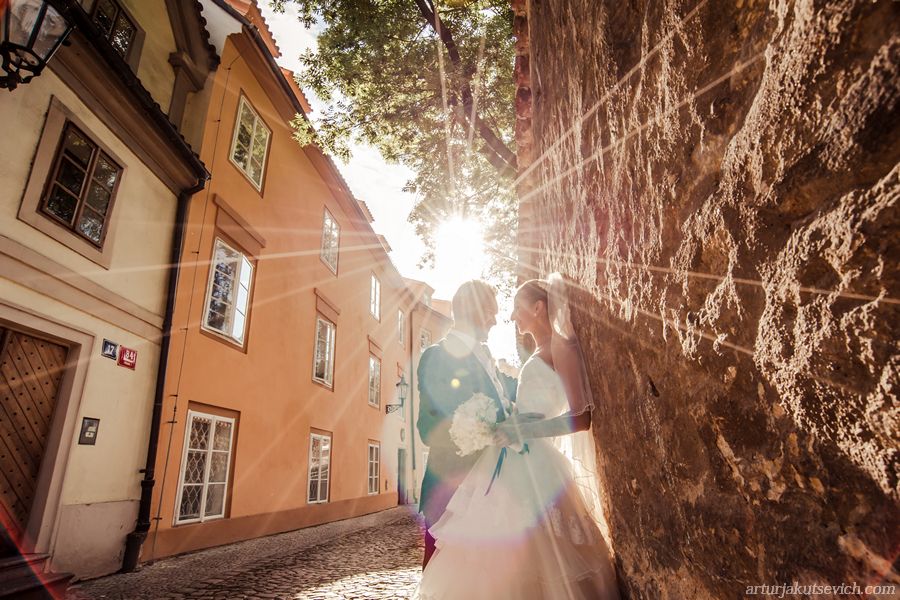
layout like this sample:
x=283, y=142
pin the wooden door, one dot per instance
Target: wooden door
x=30, y=373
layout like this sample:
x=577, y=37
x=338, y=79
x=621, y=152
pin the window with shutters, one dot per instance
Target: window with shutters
x=250, y=144
x=82, y=186
x=319, y=467
x=205, y=467
x=374, y=467
x=374, y=381
x=331, y=235
x=228, y=292
x=323, y=361
x=115, y=25
x=375, y=297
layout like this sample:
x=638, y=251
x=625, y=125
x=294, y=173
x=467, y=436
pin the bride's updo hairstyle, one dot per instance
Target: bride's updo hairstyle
x=533, y=290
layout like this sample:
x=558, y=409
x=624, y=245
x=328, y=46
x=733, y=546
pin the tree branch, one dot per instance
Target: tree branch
x=494, y=149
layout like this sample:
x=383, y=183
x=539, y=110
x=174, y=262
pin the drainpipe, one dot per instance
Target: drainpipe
x=412, y=398
x=135, y=539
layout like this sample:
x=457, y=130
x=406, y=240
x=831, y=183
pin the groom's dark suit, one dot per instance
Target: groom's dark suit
x=449, y=374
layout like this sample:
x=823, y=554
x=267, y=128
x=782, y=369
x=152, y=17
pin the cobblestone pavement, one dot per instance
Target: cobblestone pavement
x=379, y=558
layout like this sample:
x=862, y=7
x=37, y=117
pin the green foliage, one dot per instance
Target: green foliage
x=378, y=70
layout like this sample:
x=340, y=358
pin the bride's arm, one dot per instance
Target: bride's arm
x=514, y=432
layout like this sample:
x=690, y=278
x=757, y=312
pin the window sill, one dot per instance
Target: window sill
x=223, y=339
x=198, y=521
x=322, y=384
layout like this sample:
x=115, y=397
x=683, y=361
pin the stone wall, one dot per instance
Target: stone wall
x=721, y=179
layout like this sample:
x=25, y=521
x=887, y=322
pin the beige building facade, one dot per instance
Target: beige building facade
x=93, y=174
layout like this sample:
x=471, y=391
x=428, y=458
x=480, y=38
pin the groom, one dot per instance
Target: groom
x=449, y=373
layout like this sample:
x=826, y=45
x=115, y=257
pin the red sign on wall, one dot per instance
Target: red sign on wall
x=127, y=357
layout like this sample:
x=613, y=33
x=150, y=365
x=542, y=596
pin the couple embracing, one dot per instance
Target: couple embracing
x=515, y=519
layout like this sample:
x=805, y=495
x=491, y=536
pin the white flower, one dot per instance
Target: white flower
x=473, y=423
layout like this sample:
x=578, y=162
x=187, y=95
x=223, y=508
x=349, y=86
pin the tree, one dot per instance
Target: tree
x=429, y=85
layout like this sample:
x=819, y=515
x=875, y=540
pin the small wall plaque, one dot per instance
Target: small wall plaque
x=127, y=357
x=110, y=349
x=89, y=427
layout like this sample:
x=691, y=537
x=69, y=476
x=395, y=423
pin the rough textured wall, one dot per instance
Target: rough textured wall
x=722, y=179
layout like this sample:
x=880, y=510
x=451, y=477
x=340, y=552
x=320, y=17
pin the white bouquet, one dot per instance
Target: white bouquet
x=473, y=424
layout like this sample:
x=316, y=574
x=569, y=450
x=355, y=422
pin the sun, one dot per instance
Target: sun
x=459, y=253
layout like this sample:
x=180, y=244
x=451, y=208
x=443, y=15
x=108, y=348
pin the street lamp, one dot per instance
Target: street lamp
x=402, y=390
x=32, y=30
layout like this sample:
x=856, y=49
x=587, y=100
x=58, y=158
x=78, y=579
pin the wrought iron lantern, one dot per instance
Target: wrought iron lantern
x=402, y=391
x=32, y=30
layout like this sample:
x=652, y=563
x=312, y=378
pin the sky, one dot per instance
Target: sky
x=380, y=185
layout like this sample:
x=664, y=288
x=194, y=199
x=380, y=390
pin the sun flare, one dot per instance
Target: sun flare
x=459, y=253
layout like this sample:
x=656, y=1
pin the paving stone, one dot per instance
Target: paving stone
x=376, y=558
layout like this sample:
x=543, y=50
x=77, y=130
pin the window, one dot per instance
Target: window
x=424, y=340
x=374, y=381
x=228, y=295
x=319, y=467
x=401, y=325
x=82, y=186
x=331, y=233
x=375, y=298
x=250, y=144
x=204, y=468
x=374, y=466
x=323, y=366
x=115, y=25
x=426, y=299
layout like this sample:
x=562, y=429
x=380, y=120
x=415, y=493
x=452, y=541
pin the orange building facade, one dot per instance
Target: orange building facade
x=290, y=332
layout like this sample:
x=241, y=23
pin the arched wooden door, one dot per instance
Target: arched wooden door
x=30, y=373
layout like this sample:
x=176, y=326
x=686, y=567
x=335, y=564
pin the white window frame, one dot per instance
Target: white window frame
x=401, y=326
x=424, y=335
x=375, y=297
x=331, y=333
x=309, y=465
x=214, y=419
x=257, y=122
x=374, y=468
x=326, y=251
x=376, y=375
x=234, y=307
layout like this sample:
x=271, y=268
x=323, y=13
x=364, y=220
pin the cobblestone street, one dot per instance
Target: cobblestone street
x=372, y=557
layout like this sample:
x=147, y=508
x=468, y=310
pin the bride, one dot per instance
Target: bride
x=523, y=522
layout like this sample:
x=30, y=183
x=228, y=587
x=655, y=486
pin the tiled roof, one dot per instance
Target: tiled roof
x=204, y=33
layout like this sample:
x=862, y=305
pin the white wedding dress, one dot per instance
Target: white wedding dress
x=531, y=535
